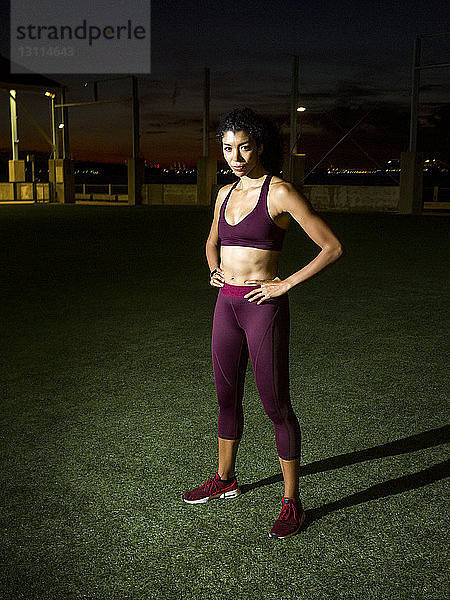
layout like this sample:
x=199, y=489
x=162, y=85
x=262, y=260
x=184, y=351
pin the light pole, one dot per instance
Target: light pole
x=300, y=110
x=411, y=162
x=294, y=104
x=61, y=130
x=55, y=138
x=294, y=163
x=297, y=161
x=14, y=136
x=206, y=164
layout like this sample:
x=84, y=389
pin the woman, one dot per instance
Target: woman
x=251, y=315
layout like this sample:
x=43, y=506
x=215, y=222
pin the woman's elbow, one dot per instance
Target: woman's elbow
x=341, y=251
x=336, y=250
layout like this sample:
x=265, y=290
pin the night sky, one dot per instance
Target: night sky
x=355, y=57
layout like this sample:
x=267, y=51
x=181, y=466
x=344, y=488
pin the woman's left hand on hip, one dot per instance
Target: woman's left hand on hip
x=270, y=288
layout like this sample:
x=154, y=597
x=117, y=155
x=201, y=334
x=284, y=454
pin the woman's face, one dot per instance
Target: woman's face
x=241, y=151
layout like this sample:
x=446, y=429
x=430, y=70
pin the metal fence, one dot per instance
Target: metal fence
x=436, y=194
x=435, y=198
x=108, y=192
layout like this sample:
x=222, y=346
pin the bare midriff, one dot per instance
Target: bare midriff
x=240, y=264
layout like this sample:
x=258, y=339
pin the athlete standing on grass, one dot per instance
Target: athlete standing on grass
x=252, y=308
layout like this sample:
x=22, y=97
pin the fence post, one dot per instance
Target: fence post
x=436, y=193
x=206, y=179
x=411, y=183
x=135, y=168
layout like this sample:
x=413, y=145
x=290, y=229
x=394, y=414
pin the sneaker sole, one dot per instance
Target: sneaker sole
x=279, y=537
x=224, y=495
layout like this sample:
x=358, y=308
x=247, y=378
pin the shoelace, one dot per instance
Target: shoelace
x=209, y=486
x=288, y=513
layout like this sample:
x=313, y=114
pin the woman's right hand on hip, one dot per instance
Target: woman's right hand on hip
x=217, y=279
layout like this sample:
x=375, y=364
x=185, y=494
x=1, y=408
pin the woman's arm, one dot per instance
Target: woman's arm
x=288, y=199
x=212, y=243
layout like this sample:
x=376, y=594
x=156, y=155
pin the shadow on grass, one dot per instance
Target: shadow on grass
x=428, y=439
x=381, y=490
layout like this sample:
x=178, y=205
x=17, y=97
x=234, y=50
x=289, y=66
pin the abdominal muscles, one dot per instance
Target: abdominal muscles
x=240, y=263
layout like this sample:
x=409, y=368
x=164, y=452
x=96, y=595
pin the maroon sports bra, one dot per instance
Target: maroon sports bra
x=255, y=230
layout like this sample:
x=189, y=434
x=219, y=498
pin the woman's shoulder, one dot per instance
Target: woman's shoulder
x=282, y=193
x=222, y=193
x=227, y=187
x=279, y=186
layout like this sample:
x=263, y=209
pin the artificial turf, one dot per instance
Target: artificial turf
x=109, y=414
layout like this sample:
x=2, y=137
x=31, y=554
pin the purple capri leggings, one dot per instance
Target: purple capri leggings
x=241, y=327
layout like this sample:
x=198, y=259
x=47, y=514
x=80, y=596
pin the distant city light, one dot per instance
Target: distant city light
x=88, y=172
x=337, y=171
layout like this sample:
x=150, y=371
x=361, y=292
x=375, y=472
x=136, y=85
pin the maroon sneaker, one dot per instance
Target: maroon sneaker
x=290, y=520
x=213, y=488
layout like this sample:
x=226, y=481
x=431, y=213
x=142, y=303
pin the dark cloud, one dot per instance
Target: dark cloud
x=348, y=90
x=149, y=132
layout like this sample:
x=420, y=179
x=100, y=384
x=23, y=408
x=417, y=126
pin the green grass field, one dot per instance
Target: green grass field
x=109, y=414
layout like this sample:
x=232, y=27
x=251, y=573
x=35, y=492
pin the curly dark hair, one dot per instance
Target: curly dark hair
x=261, y=129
